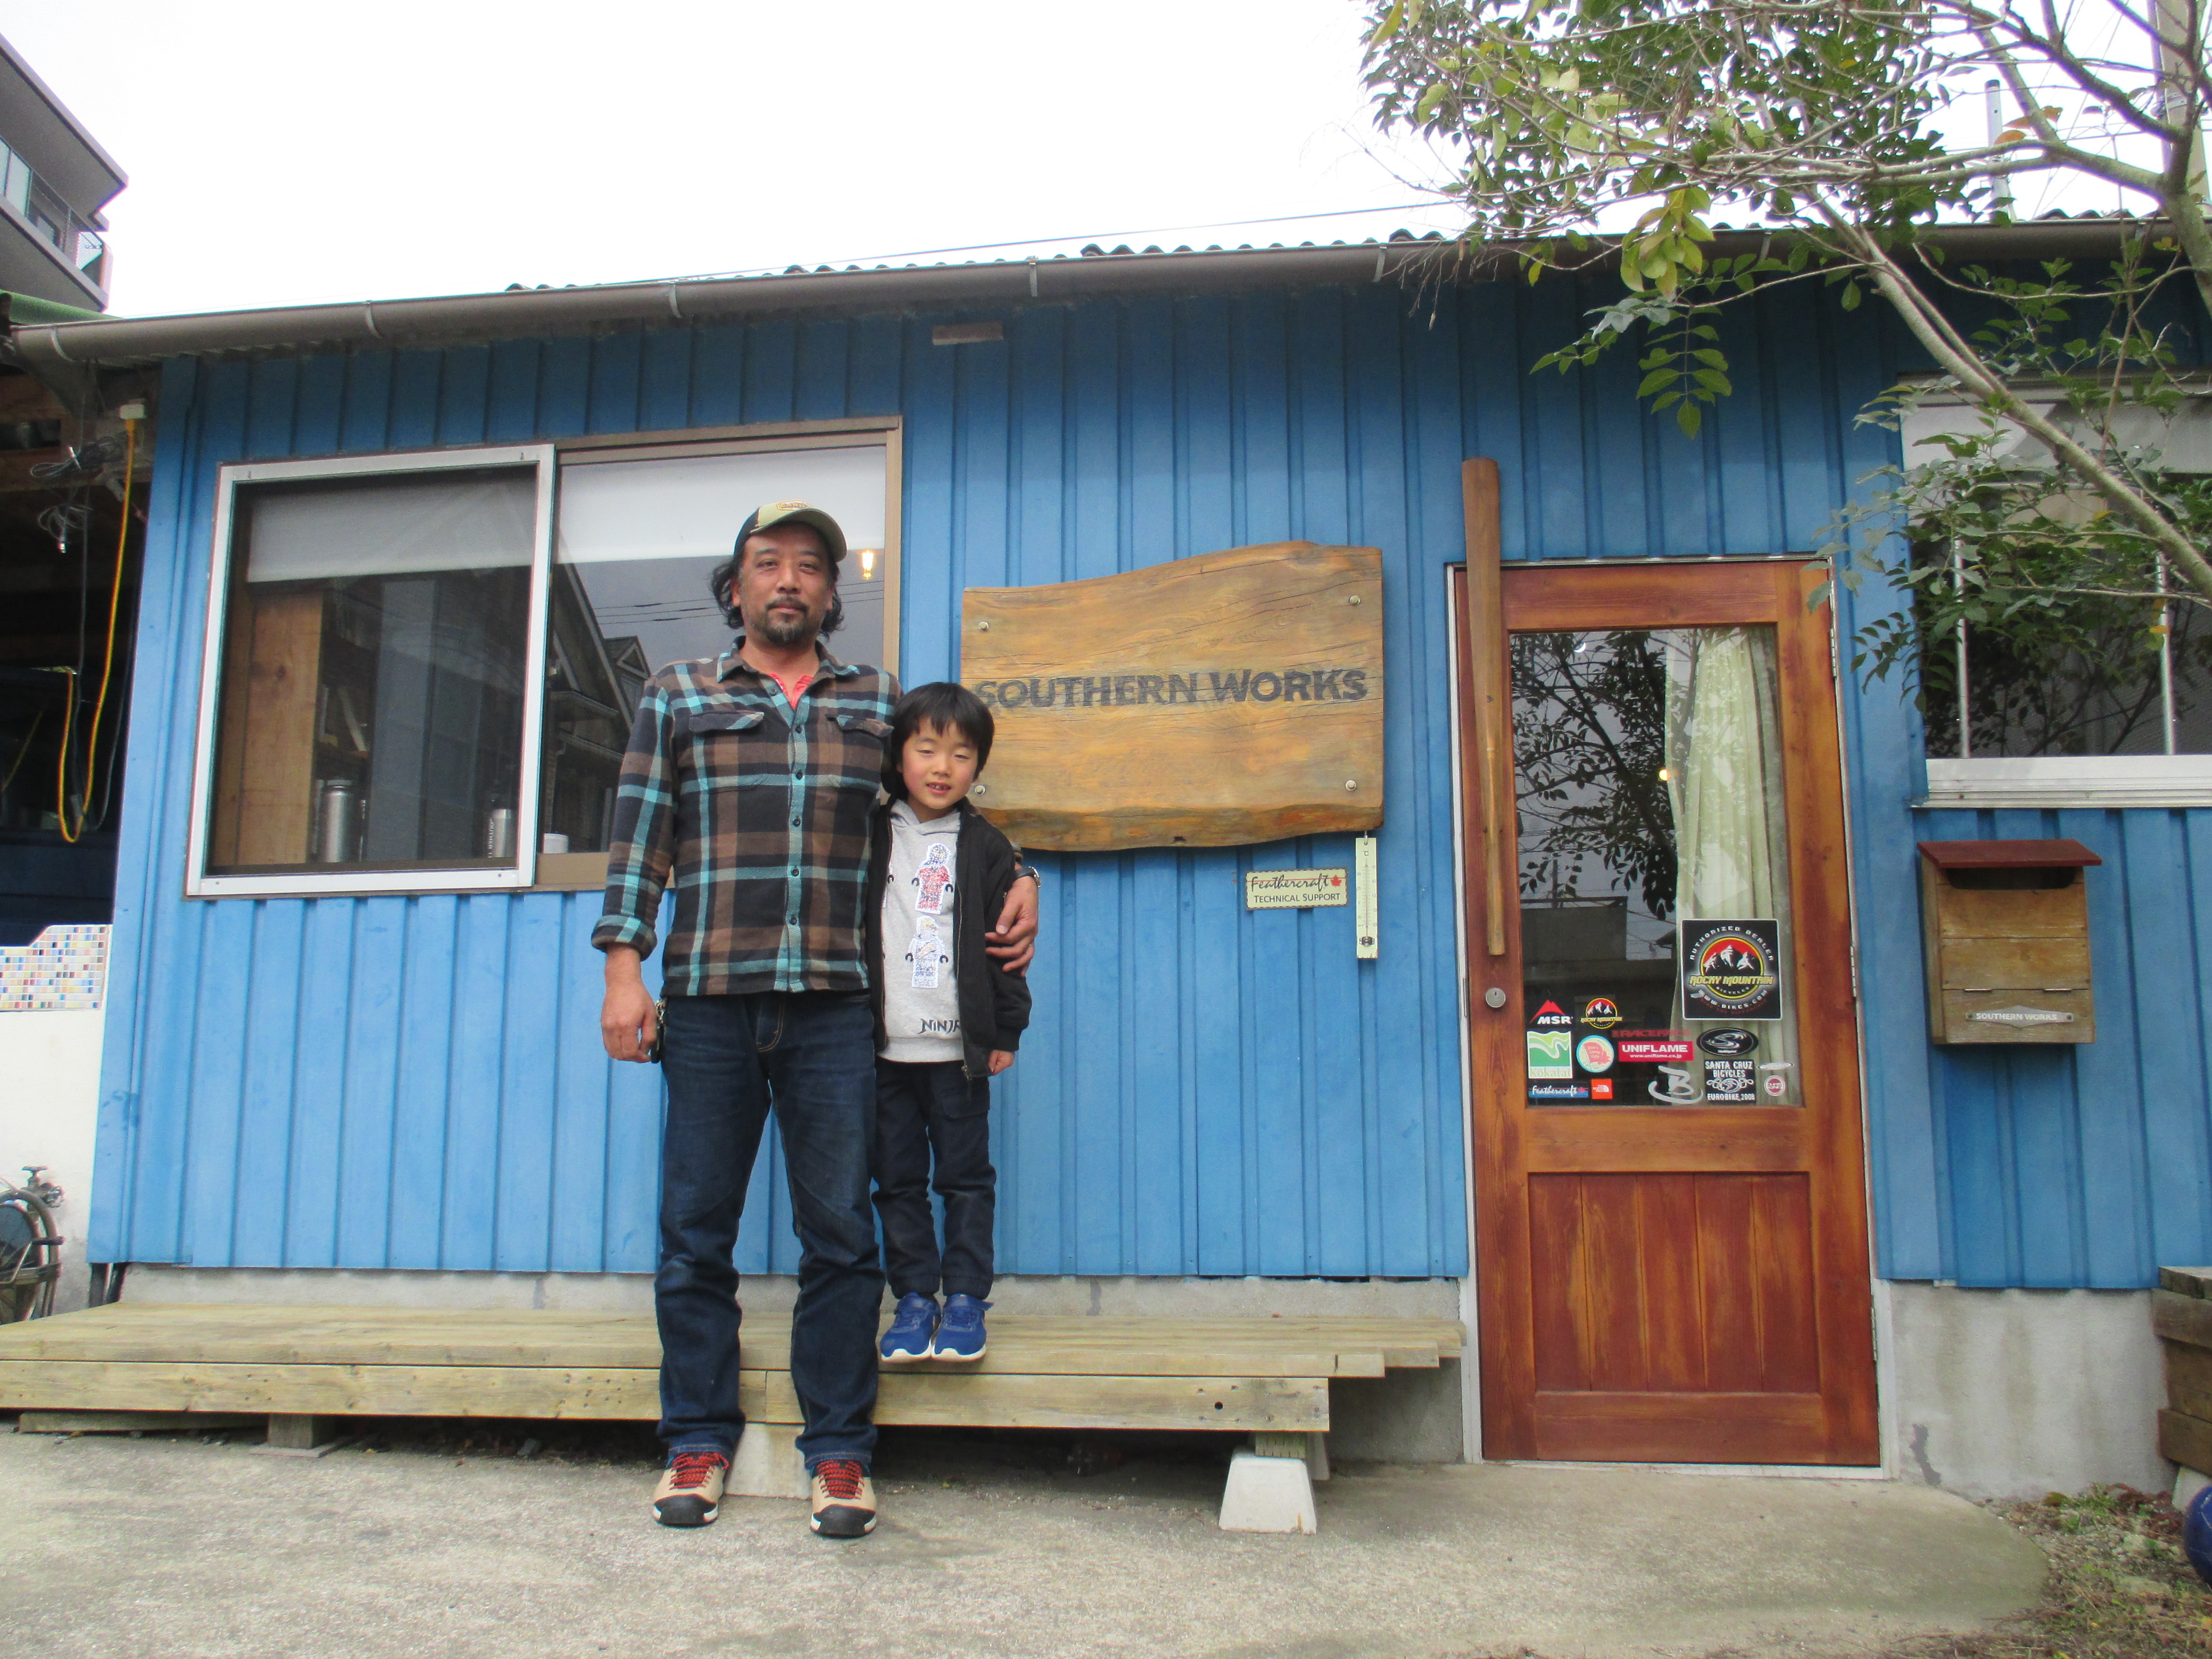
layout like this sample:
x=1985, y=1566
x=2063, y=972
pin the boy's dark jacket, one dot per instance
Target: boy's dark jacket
x=994, y=1006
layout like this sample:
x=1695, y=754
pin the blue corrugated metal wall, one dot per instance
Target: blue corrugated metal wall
x=417, y=1082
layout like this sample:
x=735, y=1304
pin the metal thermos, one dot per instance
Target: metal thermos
x=338, y=822
x=499, y=833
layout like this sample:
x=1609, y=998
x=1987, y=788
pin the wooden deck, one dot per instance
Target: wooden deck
x=1261, y=1375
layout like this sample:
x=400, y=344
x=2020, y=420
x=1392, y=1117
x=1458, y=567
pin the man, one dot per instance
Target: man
x=748, y=781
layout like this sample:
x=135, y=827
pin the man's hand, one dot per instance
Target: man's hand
x=627, y=1022
x=1000, y=1058
x=1013, y=941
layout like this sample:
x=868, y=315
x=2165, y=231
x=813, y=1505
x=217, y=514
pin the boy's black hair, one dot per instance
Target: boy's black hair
x=949, y=706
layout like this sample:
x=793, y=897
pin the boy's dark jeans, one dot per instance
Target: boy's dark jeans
x=729, y=1060
x=921, y=1109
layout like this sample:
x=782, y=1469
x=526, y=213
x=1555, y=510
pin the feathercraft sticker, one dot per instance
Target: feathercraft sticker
x=1600, y=1013
x=1729, y=970
x=1728, y=1043
x=1594, y=1053
x=1559, y=1091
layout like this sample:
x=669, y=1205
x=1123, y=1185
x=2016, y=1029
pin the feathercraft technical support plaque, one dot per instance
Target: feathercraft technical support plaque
x=1218, y=699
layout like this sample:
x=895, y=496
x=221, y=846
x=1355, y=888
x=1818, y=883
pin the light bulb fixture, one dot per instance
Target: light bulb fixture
x=867, y=564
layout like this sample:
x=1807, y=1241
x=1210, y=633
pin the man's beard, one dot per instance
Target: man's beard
x=784, y=627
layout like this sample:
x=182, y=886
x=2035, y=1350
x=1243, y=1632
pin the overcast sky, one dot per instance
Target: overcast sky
x=285, y=153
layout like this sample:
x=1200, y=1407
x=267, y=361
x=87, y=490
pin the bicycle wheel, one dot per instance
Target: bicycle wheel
x=30, y=1261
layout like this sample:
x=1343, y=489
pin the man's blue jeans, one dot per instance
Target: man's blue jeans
x=809, y=1056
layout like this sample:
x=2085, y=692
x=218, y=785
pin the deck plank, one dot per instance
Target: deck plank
x=359, y=1336
x=1042, y=1371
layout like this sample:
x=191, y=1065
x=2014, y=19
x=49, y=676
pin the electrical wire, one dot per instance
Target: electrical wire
x=107, y=663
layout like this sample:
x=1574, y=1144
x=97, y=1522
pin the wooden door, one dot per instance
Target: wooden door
x=1670, y=1207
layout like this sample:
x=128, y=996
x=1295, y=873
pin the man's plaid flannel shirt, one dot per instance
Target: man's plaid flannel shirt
x=757, y=813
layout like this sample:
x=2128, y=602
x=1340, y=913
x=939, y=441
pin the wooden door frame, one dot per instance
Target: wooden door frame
x=1506, y=1144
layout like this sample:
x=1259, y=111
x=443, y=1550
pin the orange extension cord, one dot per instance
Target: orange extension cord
x=107, y=666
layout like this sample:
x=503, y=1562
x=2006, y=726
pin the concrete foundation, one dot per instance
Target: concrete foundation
x=2013, y=1394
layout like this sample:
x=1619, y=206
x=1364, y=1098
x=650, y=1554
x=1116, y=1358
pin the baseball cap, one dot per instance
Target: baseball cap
x=776, y=513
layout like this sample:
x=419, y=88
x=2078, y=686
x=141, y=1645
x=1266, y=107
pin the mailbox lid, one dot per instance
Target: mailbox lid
x=2007, y=854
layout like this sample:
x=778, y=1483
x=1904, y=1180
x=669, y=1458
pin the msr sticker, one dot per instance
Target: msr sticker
x=1600, y=1013
x=1594, y=1053
x=1729, y=970
x=1729, y=1083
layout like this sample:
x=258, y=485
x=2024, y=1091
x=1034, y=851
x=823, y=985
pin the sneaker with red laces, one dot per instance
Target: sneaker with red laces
x=844, y=1498
x=690, y=1490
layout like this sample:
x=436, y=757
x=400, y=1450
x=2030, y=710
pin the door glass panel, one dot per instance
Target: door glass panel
x=1654, y=868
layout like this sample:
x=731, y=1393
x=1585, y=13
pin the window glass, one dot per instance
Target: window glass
x=1654, y=868
x=2080, y=675
x=635, y=543
x=16, y=186
x=370, y=715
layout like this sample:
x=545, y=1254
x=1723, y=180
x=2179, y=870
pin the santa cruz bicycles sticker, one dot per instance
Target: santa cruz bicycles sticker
x=1729, y=970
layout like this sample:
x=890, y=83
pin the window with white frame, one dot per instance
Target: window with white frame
x=421, y=669
x=2090, y=699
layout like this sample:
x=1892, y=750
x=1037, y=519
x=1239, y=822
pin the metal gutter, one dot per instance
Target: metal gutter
x=520, y=313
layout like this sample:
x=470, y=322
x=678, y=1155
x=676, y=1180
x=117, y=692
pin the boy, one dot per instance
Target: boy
x=945, y=1024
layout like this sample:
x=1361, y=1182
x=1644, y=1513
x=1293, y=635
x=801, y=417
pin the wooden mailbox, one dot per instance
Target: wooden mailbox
x=2006, y=927
x=1217, y=700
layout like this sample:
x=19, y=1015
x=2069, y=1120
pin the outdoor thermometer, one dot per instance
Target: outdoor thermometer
x=1363, y=918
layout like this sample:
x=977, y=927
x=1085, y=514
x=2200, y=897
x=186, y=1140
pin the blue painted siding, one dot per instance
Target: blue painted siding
x=417, y=1082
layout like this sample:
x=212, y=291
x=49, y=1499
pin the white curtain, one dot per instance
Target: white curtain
x=1724, y=760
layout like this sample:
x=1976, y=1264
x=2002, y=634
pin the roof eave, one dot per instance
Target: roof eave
x=520, y=312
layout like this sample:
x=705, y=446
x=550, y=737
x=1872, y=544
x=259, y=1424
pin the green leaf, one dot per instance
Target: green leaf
x=1689, y=417
x=1851, y=296
x=1656, y=380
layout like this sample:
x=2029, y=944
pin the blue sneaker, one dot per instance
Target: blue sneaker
x=960, y=1333
x=913, y=1324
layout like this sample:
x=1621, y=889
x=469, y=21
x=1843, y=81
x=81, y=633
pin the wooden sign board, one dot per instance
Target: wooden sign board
x=1225, y=698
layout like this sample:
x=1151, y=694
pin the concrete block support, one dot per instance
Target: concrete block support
x=1268, y=1494
x=768, y=1463
x=2013, y=1394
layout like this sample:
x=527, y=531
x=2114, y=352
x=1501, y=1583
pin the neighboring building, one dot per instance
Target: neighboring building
x=354, y=1002
x=54, y=180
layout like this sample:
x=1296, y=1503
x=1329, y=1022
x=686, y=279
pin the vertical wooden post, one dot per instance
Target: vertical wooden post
x=1485, y=605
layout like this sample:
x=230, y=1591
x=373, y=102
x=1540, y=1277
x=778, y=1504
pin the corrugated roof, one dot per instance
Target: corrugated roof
x=1095, y=271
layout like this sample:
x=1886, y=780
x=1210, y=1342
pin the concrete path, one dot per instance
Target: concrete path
x=163, y=1547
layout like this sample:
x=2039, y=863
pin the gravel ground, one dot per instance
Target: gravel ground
x=2120, y=1586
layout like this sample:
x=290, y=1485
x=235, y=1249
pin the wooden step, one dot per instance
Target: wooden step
x=1246, y=1374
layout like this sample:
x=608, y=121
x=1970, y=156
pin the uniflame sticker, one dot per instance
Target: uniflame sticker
x=1729, y=970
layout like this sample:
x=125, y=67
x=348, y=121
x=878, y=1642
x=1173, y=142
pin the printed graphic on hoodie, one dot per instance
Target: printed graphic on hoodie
x=933, y=882
x=928, y=954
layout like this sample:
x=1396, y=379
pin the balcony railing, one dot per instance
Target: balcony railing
x=52, y=218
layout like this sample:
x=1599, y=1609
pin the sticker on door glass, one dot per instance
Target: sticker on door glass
x=1594, y=1053
x=1729, y=971
x=1551, y=1049
x=1651, y=1048
x=1728, y=1043
x=1730, y=1083
x=1600, y=1013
